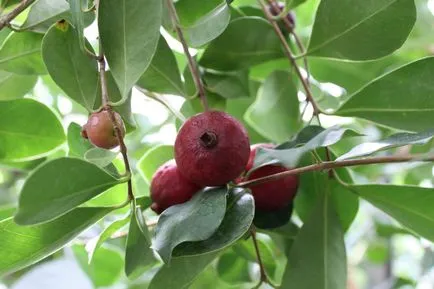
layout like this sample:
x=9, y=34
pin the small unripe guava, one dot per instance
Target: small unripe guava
x=212, y=148
x=100, y=131
x=169, y=187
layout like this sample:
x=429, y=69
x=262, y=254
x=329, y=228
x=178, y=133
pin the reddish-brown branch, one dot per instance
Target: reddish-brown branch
x=6, y=19
x=192, y=65
x=336, y=164
x=290, y=57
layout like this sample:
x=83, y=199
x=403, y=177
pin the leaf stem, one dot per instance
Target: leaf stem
x=290, y=57
x=337, y=164
x=159, y=99
x=108, y=108
x=7, y=18
x=192, y=65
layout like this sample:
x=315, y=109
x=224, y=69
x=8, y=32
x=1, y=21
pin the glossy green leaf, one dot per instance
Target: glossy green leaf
x=77, y=19
x=396, y=140
x=202, y=23
x=316, y=137
x=162, y=75
x=14, y=86
x=275, y=114
x=6, y=212
x=228, y=85
x=236, y=222
x=106, y=234
x=181, y=272
x=139, y=255
x=153, y=159
x=59, y=186
x=28, y=130
x=23, y=246
x=260, y=44
x=411, y=206
x=44, y=13
x=195, y=220
x=106, y=266
x=100, y=157
x=356, y=34
x=400, y=99
x=72, y=70
x=78, y=145
x=21, y=54
x=317, y=258
x=129, y=31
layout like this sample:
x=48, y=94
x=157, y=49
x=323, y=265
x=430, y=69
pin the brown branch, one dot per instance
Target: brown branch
x=263, y=277
x=290, y=57
x=108, y=108
x=7, y=18
x=337, y=164
x=192, y=65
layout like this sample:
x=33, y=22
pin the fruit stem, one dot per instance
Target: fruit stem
x=263, y=277
x=7, y=18
x=337, y=164
x=192, y=65
x=290, y=56
x=108, y=108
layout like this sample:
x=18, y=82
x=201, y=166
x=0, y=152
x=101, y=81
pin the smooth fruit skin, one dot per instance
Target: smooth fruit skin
x=253, y=150
x=276, y=194
x=169, y=187
x=100, y=131
x=212, y=148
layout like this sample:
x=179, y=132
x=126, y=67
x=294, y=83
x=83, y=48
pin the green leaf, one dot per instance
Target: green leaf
x=273, y=219
x=78, y=19
x=106, y=267
x=236, y=222
x=72, y=70
x=228, y=85
x=78, y=145
x=44, y=13
x=355, y=34
x=400, y=99
x=388, y=231
x=310, y=138
x=23, y=246
x=181, y=272
x=28, y=130
x=202, y=23
x=260, y=44
x=195, y=220
x=129, y=31
x=162, y=75
x=275, y=114
x=139, y=255
x=396, y=140
x=100, y=157
x=21, y=54
x=153, y=159
x=57, y=187
x=317, y=258
x=411, y=206
x=6, y=212
x=233, y=269
x=14, y=85
x=106, y=234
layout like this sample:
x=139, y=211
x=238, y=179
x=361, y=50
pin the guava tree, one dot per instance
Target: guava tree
x=288, y=116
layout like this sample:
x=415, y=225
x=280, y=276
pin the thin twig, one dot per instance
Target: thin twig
x=108, y=108
x=7, y=18
x=191, y=62
x=290, y=57
x=263, y=277
x=337, y=164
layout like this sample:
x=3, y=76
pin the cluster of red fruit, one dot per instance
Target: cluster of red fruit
x=213, y=149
